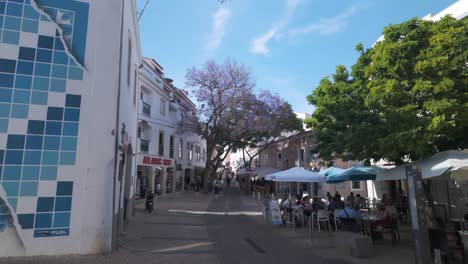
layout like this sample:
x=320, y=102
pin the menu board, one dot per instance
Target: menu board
x=275, y=213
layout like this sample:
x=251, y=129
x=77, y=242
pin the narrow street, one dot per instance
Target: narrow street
x=182, y=230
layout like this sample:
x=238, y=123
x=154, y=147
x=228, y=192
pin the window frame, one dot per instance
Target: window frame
x=161, y=143
x=141, y=144
x=356, y=189
x=148, y=106
x=171, y=146
x=163, y=106
x=181, y=151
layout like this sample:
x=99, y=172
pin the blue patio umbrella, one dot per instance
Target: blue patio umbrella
x=330, y=171
x=356, y=173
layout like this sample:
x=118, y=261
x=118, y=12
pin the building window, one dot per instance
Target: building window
x=171, y=147
x=356, y=185
x=197, y=153
x=144, y=146
x=146, y=109
x=180, y=148
x=129, y=62
x=301, y=157
x=204, y=155
x=163, y=107
x=161, y=143
x=265, y=160
x=191, y=152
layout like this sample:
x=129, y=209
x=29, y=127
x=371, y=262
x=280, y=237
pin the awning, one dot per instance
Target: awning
x=453, y=161
x=330, y=171
x=259, y=171
x=356, y=173
x=296, y=174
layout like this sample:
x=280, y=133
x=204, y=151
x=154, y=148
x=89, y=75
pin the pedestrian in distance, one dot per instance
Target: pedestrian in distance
x=228, y=182
x=197, y=190
x=216, y=189
x=149, y=206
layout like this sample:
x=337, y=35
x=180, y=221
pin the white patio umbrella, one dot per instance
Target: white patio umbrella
x=453, y=161
x=261, y=172
x=296, y=174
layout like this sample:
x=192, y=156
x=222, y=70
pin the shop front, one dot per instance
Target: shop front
x=155, y=174
x=179, y=182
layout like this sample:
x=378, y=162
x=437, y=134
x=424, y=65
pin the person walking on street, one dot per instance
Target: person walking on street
x=216, y=189
x=197, y=190
x=228, y=182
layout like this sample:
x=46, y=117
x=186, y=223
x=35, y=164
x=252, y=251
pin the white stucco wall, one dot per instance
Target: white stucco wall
x=90, y=227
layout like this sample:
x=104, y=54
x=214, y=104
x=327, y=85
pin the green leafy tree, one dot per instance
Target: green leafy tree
x=407, y=97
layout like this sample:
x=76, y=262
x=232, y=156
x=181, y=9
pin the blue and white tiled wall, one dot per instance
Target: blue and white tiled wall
x=39, y=118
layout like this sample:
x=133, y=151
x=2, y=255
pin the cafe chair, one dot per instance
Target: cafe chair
x=391, y=229
x=322, y=216
x=335, y=218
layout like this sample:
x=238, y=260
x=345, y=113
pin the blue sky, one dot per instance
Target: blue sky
x=289, y=45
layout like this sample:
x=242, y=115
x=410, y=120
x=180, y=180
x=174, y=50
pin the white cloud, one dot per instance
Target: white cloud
x=259, y=43
x=220, y=19
x=326, y=25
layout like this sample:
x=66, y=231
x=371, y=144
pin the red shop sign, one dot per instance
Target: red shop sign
x=156, y=161
x=146, y=160
x=167, y=162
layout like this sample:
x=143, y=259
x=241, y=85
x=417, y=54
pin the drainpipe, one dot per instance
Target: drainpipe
x=115, y=227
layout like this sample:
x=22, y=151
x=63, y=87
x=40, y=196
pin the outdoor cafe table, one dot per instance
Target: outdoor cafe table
x=367, y=221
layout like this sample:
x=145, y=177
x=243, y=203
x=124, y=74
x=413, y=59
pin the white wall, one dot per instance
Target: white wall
x=93, y=172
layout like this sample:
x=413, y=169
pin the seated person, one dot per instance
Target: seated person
x=286, y=204
x=383, y=214
x=359, y=202
x=349, y=212
x=385, y=200
x=385, y=220
x=298, y=201
x=317, y=205
x=350, y=198
x=334, y=204
x=307, y=206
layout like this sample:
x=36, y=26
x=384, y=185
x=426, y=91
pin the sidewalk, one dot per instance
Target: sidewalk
x=152, y=238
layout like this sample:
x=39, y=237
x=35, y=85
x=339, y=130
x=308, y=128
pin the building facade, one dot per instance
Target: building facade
x=167, y=158
x=296, y=151
x=65, y=153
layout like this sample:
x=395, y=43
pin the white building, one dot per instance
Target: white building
x=167, y=158
x=68, y=96
x=303, y=116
